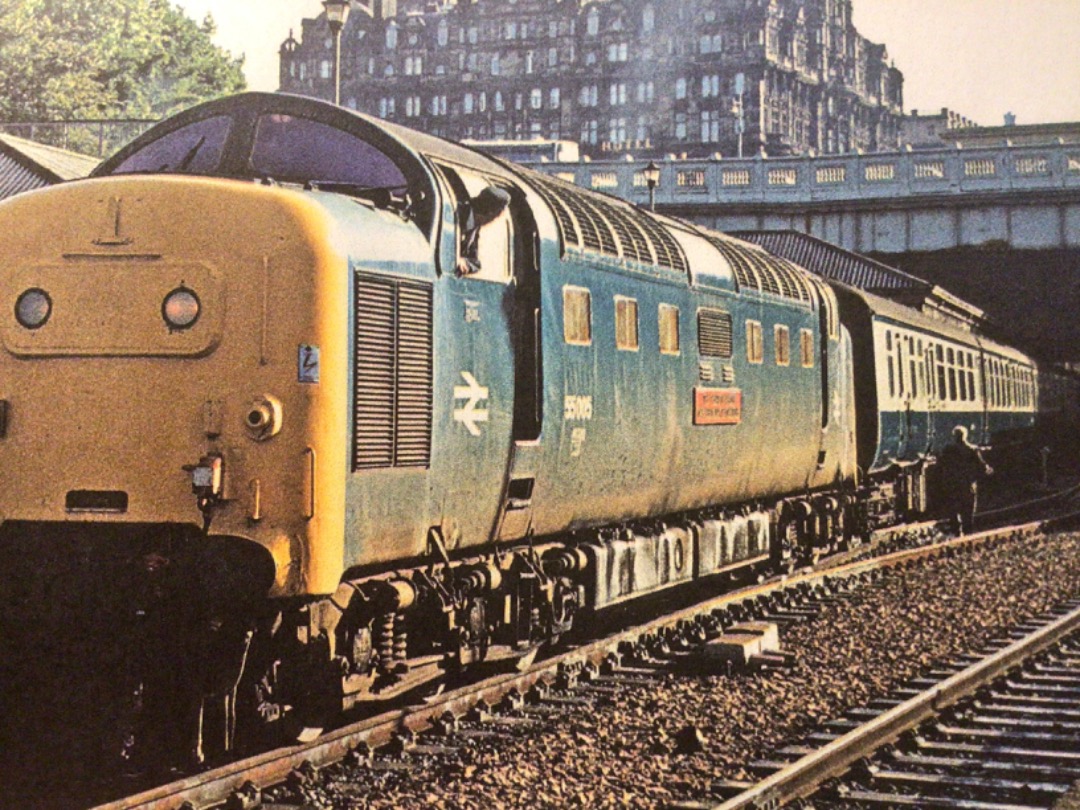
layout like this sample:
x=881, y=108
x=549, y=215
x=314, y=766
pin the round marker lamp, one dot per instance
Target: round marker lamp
x=33, y=308
x=180, y=309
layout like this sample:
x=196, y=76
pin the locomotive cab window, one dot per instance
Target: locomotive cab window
x=193, y=149
x=782, y=339
x=626, y=324
x=806, y=348
x=755, y=343
x=668, y=318
x=577, y=316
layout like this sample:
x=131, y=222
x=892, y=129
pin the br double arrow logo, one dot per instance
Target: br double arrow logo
x=470, y=414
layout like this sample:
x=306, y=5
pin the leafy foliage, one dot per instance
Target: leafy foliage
x=67, y=59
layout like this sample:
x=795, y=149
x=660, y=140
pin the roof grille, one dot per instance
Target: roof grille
x=604, y=225
x=757, y=270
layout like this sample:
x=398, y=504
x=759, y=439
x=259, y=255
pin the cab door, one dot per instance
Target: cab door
x=476, y=361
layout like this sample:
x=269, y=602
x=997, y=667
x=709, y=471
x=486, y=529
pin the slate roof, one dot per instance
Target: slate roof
x=26, y=165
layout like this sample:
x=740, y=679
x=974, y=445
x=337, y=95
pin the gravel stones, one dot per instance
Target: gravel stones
x=680, y=736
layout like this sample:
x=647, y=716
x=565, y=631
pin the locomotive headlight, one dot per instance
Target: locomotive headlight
x=33, y=308
x=181, y=308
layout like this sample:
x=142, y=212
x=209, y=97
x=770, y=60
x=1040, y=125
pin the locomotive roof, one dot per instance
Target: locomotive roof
x=586, y=220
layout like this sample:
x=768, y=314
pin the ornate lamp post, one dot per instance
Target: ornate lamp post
x=652, y=180
x=337, y=12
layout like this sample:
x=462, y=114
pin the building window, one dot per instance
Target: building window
x=680, y=88
x=577, y=316
x=782, y=337
x=648, y=19
x=443, y=34
x=528, y=61
x=590, y=131
x=626, y=324
x=500, y=106
x=680, y=126
x=589, y=96
x=806, y=348
x=536, y=98
x=755, y=344
x=710, y=126
x=668, y=317
x=617, y=93
x=553, y=57
x=391, y=35
x=592, y=22
x=495, y=67
x=617, y=52
x=554, y=98
x=617, y=130
x=710, y=86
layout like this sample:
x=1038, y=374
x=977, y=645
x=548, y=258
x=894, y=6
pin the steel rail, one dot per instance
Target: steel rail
x=248, y=776
x=803, y=776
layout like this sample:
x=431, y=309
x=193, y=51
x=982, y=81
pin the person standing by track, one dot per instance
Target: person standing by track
x=962, y=467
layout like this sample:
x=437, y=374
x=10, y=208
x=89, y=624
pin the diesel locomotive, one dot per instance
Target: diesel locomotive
x=270, y=454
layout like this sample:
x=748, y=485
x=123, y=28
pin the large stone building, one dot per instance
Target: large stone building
x=647, y=77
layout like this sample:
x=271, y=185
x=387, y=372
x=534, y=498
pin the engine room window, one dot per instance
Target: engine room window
x=668, y=317
x=193, y=149
x=288, y=148
x=755, y=343
x=626, y=324
x=782, y=337
x=577, y=316
x=806, y=348
x=714, y=333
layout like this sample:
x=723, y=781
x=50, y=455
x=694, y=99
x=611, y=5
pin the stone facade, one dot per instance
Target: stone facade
x=641, y=77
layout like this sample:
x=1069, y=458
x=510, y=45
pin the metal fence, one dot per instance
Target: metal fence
x=95, y=137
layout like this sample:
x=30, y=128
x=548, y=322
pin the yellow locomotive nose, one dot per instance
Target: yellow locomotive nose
x=149, y=355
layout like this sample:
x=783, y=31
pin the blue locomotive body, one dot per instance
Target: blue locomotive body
x=429, y=429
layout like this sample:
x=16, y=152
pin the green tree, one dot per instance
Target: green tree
x=65, y=59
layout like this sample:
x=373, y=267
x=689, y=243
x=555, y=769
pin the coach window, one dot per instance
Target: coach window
x=942, y=390
x=951, y=362
x=919, y=359
x=755, y=343
x=901, y=387
x=668, y=317
x=577, y=316
x=913, y=362
x=806, y=348
x=931, y=372
x=971, y=376
x=782, y=338
x=890, y=363
x=626, y=324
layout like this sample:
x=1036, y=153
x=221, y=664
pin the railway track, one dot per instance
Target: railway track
x=999, y=729
x=592, y=668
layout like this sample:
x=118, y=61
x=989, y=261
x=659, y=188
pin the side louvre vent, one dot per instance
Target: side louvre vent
x=393, y=374
x=714, y=333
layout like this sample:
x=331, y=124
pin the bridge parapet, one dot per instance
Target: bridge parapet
x=837, y=178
